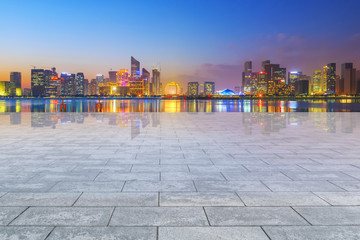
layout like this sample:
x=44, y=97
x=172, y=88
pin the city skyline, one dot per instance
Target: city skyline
x=212, y=47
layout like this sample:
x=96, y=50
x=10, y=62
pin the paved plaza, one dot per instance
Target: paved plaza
x=180, y=176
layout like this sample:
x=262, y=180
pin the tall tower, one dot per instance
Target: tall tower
x=38, y=82
x=316, y=84
x=79, y=84
x=246, y=77
x=348, y=78
x=15, y=83
x=135, y=68
x=156, y=81
x=331, y=78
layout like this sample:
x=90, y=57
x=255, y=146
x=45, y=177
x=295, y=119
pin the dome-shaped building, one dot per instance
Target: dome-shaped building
x=227, y=92
x=172, y=88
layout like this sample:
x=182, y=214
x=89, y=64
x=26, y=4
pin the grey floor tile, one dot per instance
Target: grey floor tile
x=351, y=186
x=330, y=167
x=160, y=168
x=313, y=232
x=302, y=186
x=317, y=175
x=26, y=187
x=127, y=177
x=340, y=198
x=7, y=214
x=253, y=176
x=331, y=215
x=281, y=199
x=24, y=233
x=223, y=186
x=89, y=186
x=118, y=199
x=64, y=216
x=39, y=199
x=211, y=233
x=159, y=186
x=252, y=216
x=159, y=216
x=103, y=233
x=191, y=176
x=199, y=199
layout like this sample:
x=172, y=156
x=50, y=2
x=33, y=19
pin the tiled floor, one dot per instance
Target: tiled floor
x=183, y=176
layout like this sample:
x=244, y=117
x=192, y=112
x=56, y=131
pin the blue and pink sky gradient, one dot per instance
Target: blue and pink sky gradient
x=192, y=40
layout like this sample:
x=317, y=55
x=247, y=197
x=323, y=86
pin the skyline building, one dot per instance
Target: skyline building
x=331, y=78
x=145, y=77
x=38, y=82
x=246, y=77
x=79, y=84
x=347, y=83
x=135, y=68
x=293, y=77
x=112, y=76
x=193, y=88
x=123, y=77
x=68, y=87
x=209, y=88
x=316, y=83
x=15, y=83
x=94, y=87
x=156, y=81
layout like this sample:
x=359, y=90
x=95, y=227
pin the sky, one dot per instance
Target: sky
x=191, y=40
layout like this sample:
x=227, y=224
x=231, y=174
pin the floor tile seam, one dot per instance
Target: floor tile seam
x=185, y=226
x=48, y=235
x=267, y=235
x=207, y=218
x=313, y=192
x=331, y=182
x=77, y=199
x=18, y=216
x=111, y=215
x=355, y=179
x=301, y=216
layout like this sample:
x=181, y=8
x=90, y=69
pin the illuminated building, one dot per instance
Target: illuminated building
x=54, y=86
x=79, y=84
x=347, y=83
x=15, y=83
x=172, y=88
x=273, y=75
x=323, y=79
x=68, y=87
x=209, y=88
x=100, y=79
x=50, y=89
x=246, y=77
x=156, y=82
x=237, y=89
x=264, y=63
x=145, y=77
x=358, y=81
x=293, y=77
x=316, y=83
x=4, y=88
x=226, y=92
x=38, y=82
x=112, y=76
x=136, y=87
x=331, y=78
x=259, y=83
x=94, y=87
x=193, y=88
x=27, y=92
x=123, y=77
x=135, y=68
x=283, y=89
x=86, y=87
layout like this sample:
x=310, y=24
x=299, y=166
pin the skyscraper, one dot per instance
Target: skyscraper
x=68, y=86
x=38, y=82
x=145, y=77
x=15, y=83
x=112, y=76
x=79, y=84
x=348, y=79
x=293, y=77
x=274, y=75
x=209, y=88
x=86, y=87
x=123, y=77
x=316, y=83
x=193, y=88
x=246, y=81
x=156, y=81
x=135, y=68
x=331, y=78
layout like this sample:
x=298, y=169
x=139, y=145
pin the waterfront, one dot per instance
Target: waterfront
x=157, y=105
x=156, y=175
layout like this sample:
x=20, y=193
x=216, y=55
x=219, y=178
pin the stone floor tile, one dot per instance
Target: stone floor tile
x=331, y=215
x=285, y=199
x=103, y=233
x=340, y=198
x=89, y=186
x=313, y=232
x=196, y=199
x=253, y=176
x=39, y=199
x=159, y=186
x=192, y=176
x=351, y=186
x=118, y=199
x=205, y=186
x=24, y=233
x=160, y=168
x=159, y=216
x=211, y=233
x=251, y=216
x=318, y=175
x=127, y=177
x=8, y=214
x=64, y=216
x=302, y=186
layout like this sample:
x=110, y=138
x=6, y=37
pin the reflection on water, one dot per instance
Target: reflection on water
x=248, y=123
x=134, y=105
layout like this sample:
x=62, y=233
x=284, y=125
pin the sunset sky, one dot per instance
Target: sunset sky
x=191, y=40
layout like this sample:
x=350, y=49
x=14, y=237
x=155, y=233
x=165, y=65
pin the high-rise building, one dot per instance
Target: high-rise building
x=156, y=82
x=94, y=87
x=100, y=79
x=264, y=63
x=68, y=86
x=347, y=83
x=112, y=76
x=79, y=84
x=135, y=68
x=246, y=77
x=50, y=88
x=316, y=83
x=123, y=77
x=54, y=86
x=293, y=77
x=274, y=75
x=331, y=78
x=86, y=87
x=145, y=77
x=15, y=83
x=193, y=88
x=38, y=82
x=209, y=88
x=4, y=88
x=302, y=86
